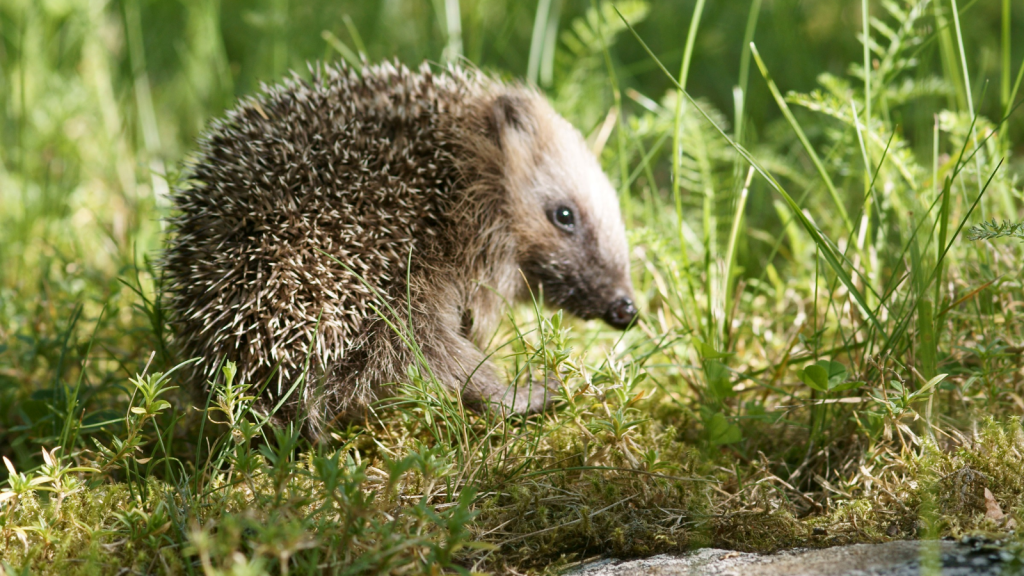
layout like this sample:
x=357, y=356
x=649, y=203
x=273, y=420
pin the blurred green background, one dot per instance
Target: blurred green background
x=198, y=55
x=99, y=99
x=102, y=100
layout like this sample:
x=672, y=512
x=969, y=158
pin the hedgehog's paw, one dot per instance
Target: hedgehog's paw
x=525, y=398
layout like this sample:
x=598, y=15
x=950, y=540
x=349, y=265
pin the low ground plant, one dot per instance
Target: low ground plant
x=828, y=352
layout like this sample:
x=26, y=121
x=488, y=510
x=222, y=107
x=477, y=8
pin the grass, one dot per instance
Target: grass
x=830, y=344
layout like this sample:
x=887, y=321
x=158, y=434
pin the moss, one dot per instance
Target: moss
x=700, y=427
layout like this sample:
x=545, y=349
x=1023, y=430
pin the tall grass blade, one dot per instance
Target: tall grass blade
x=830, y=256
x=341, y=48
x=677, y=129
x=144, y=104
x=537, y=40
x=734, y=234
x=866, y=41
x=620, y=128
x=748, y=38
x=788, y=114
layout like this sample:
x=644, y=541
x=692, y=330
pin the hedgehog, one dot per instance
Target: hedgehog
x=335, y=230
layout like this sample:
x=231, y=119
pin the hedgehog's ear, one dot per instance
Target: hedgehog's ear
x=510, y=120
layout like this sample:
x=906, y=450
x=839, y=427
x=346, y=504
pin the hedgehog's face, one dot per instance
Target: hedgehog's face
x=571, y=242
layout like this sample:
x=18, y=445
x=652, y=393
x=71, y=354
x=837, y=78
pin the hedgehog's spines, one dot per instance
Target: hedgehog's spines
x=298, y=167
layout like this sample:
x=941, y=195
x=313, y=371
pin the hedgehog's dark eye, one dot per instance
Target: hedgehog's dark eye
x=564, y=218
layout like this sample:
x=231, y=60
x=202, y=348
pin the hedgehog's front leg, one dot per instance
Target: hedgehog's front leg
x=461, y=366
x=485, y=387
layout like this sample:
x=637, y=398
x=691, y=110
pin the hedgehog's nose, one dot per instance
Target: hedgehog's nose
x=621, y=313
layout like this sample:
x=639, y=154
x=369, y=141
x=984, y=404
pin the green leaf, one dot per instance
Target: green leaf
x=932, y=383
x=815, y=376
x=871, y=422
x=229, y=369
x=721, y=431
x=719, y=380
x=827, y=376
x=926, y=389
x=836, y=372
x=707, y=351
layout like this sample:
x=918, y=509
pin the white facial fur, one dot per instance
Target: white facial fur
x=549, y=167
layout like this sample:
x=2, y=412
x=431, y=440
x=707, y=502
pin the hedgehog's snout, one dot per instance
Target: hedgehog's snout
x=621, y=313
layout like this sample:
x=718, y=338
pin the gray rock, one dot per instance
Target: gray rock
x=902, y=558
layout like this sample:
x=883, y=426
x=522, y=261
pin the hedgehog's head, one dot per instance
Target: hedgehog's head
x=570, y=239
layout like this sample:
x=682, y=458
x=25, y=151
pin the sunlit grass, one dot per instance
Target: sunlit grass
x=825, y=355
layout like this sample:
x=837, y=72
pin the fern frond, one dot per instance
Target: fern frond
x=992, y=230
x=590, y=34
x=580, y=70
x=829, y=103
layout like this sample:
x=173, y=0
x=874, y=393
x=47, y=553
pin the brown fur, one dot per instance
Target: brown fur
x=453, y=173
